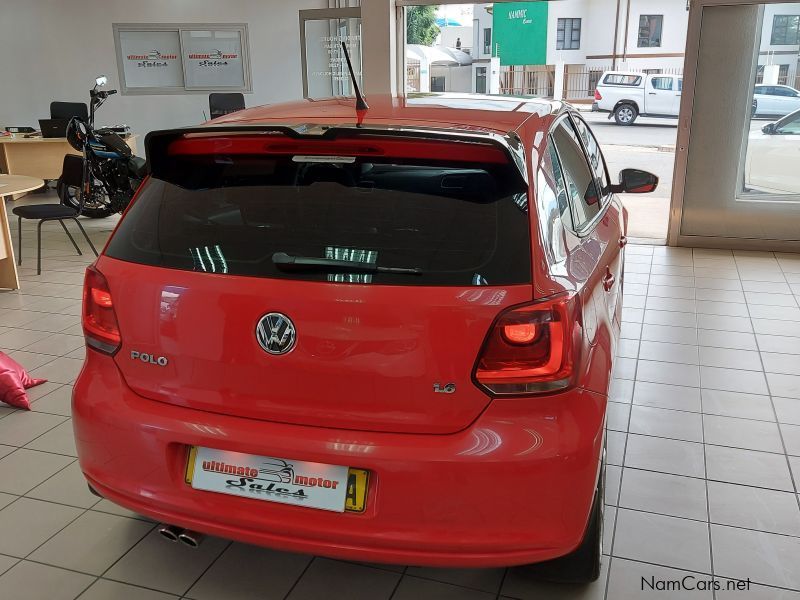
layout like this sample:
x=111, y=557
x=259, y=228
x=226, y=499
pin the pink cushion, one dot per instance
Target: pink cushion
x=14, y=380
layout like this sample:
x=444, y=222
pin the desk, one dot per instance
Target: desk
x=38, y=157
x=10, y=185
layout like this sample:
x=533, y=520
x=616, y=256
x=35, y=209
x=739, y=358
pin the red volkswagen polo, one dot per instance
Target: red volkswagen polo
x=385, y=336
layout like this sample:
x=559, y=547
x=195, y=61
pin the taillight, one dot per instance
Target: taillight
x=597, y=95
x=100, y=327
x=531, y=348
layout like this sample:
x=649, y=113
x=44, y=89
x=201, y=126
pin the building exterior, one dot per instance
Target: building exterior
x=561, y=48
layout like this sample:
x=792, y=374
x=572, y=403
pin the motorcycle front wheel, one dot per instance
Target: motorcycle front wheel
x=95, y=207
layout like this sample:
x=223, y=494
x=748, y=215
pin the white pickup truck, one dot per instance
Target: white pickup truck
x=626, y=95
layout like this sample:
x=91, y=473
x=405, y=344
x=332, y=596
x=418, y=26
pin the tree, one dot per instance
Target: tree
x=421, y=23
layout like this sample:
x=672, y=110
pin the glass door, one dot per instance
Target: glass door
x=322, y=32
x=741, y=147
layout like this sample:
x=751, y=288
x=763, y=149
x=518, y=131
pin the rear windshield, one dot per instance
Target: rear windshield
x=619, y=79
x=437, y=223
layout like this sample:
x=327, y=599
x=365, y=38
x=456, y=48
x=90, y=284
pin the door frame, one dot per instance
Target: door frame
x=674, y=237
x=319, y=14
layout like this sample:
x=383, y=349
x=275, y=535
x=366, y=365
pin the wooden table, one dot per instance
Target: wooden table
x=38, y=157
x=10, y=185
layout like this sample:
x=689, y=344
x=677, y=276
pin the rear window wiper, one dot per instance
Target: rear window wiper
x=288, y=261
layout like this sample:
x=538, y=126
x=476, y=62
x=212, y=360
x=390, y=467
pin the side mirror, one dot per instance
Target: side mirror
x=635, y=181
x=769, y=128
x=101, y=81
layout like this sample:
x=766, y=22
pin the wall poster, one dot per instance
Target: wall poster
x=213, y=59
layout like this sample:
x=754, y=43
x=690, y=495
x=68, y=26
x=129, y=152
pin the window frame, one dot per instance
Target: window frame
x=487, y=40
x=786, y=29
x=179, y=29
x=588, y=227
x=561, y=30
x=660, y=30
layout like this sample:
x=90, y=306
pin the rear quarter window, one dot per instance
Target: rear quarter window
x=459, y=224
x=619, y=79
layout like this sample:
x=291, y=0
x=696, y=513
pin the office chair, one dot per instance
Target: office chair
x=220, y=104
x=67, y=110
x=71, y=175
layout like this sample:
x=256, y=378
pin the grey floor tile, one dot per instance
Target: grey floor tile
x=6, y=562
x=624, y=368
x=778, y=343
x=753, y=592
x=633, y=315
x=617, y=415
x=786, y=386
x=165, y=566
x=23, y=470
x=631, y=580
x=742, y=433
x=6, y=499
x=615, y=441
x=727, y=339
x=17, y=339
x=61, y=370
x=788, y=364
x=41, y=390
x=414, y=588
x=676, y=304
x=628, y=348
x=660, y=422
x=748, y=467
x=103, y=589
x=666, y=352
x=59, y=440
x=666, y=494
x=521, y=584
x=776, y=327
x=351, y=581
x=230, y=576
x=668, y=291
x=613, y=479
x=57, y=344
x=486, y=580
x=732, y=380
x=767, y=299
x=25, y=426
x=92, y=542
x=787, y=410
x=764, y=558
x=730, y=358
x=791, y=438
x=753, y=508
x=720, y=295
x=670, y=318
x=672, y=335
x=631, y=330
x=57, y=402
x=32, y=581
x=682, y=543
x=667, y=396
x=106, y=506
x=28, y=523
x=66, y=487
x=781, y=313
x=734, y=404
x=668, y=373
x=724, y=323
x=621, y=390
x=664, y=455
x=730, y=309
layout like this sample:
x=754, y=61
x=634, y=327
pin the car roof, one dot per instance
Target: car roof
x=470, y=112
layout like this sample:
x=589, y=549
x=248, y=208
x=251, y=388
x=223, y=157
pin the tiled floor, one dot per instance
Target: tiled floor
x=704, y=453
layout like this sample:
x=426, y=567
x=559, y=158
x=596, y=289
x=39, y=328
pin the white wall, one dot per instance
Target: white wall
x=53, y=50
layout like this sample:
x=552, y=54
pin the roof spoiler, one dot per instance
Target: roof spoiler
x=157, y=143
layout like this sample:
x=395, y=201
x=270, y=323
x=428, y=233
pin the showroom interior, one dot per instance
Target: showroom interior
x=682, y=350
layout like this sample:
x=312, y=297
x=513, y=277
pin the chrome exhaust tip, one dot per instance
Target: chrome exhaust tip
x=191, y=538
x=170, y=532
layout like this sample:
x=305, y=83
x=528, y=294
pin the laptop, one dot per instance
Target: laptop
x=53, y=128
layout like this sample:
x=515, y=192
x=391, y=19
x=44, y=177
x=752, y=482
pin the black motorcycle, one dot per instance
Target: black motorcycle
x=111, y=173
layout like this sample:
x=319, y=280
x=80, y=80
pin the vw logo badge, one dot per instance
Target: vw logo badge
x=275, y=333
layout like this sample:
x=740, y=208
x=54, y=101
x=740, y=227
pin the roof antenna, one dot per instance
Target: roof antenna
x=361, y=103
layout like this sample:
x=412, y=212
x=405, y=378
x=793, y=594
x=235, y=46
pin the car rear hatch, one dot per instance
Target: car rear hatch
x=347, y=281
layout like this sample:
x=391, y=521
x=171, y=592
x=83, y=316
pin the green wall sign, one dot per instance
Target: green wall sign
x=520, y=33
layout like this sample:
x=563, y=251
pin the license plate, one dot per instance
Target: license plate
x=301, y=483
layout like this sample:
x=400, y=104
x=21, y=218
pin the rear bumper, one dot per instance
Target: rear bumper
x=515, y=487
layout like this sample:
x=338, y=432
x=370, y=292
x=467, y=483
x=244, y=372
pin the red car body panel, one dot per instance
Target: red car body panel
x=456, y=480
